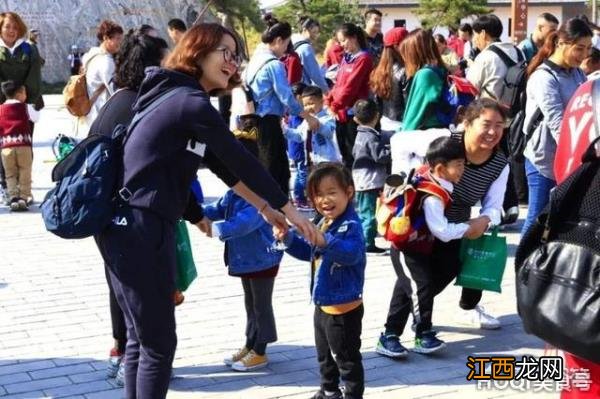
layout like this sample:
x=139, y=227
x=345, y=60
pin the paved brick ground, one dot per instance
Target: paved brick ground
x=55, y=323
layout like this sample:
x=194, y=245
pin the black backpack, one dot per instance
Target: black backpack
x=514, y=82
x=518, y=133
x=558, y=265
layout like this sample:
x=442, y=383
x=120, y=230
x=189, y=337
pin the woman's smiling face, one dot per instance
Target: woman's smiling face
x=486, y=130
x=219, y=65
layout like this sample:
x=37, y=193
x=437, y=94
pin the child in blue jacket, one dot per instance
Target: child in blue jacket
x=249, y=254
x=338, y=263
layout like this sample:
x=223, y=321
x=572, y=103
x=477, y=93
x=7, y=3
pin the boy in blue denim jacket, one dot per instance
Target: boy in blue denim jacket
x=338, y=265
x=249, y=254
x=321, y=144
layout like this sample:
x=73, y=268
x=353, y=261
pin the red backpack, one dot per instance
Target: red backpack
x=400, y=216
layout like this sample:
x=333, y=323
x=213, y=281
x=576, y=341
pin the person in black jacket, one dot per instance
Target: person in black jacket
x=138, y=51
x=161, y=157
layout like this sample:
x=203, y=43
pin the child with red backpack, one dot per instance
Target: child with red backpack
x=416, y=219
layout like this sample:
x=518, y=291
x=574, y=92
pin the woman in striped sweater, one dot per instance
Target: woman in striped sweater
x=484, y=179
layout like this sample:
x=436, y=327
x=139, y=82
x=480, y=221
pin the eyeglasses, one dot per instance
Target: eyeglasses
x=229, y=56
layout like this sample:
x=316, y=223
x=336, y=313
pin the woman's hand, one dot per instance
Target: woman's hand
x=205, y=226
x=275, y=219
x=304, y=226
x=477, y=227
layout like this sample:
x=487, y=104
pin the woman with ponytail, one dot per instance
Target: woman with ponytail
x=266, y=78
x=554, y=75
x=351, y=85
x=388, y=81
x=303, y=45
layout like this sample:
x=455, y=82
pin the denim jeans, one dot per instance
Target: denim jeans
x=539, y=193
x=297, y=155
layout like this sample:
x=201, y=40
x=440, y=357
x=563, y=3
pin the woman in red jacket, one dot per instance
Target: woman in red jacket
x=352, y=84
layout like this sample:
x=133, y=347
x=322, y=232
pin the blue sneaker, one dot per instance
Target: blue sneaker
x=390, y=346
x=428, y=343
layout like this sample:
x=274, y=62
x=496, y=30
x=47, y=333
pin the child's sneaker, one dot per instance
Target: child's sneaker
x=251, y=361
x=114, y=361
x=29, y=200
x=236, y=357
x=120, y=377
x=428, y=343
x=390, y=346
x=322, y=395
x=23, y=205
x=14, y=204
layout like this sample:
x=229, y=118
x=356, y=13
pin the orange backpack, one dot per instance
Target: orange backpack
x=399, y=215
x=75, y=94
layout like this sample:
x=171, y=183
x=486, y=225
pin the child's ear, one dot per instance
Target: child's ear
x=350, y=192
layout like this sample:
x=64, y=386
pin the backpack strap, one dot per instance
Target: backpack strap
x=249, y=82
x=436, y=190
x=508, y=61
x=300, y=43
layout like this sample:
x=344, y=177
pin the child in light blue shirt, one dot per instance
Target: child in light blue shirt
x=321, y=144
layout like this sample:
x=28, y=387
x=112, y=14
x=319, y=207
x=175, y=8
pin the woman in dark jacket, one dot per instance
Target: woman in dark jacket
x=161, y=157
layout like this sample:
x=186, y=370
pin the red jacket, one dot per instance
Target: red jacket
x=293, y=66
x=334, y=55
x=576, y=133
x=352, y=83
x=15, y=129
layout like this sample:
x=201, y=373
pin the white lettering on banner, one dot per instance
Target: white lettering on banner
x=576, y=127
x=581, y=101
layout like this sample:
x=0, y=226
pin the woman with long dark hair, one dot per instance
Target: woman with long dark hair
x=161, y=157
x=352, y=84
x=554, y=75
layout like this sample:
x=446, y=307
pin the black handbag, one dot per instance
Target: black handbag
x=558, y=265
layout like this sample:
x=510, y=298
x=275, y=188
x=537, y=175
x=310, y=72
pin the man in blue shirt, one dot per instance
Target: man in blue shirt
x=546, y=24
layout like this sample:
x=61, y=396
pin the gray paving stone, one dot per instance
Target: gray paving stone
x=37, y=384
x=77, y=389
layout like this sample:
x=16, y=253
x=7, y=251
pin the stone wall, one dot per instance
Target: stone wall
x=63, y=23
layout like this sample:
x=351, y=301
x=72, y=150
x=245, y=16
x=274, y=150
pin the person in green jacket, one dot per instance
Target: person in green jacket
x=427, y=74
x=19, y=60
x=21, y=63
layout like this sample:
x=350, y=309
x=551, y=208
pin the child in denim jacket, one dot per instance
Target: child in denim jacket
x=338, y=265
x=249, y=254
x=321, y=144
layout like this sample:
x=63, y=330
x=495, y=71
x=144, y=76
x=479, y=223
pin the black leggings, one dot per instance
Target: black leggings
x=272, y=150
x=446, y=258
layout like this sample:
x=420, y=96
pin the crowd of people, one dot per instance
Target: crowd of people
x=329, y=123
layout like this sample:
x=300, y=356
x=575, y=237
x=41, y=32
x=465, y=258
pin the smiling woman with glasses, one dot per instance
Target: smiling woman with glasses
x=229, y=56
x=177, y=129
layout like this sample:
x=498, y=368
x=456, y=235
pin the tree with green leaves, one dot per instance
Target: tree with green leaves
x=433, y=13
x=330, y=14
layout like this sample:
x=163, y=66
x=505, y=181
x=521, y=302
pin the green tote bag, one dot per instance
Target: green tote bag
x=186, y=268
x=483, y=261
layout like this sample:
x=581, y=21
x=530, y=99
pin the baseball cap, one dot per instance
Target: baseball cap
x=394, y=36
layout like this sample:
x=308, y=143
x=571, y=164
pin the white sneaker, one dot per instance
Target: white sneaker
x=478, y=318
x=120, y=377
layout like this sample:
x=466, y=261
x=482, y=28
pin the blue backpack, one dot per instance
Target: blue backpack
x=87, y=182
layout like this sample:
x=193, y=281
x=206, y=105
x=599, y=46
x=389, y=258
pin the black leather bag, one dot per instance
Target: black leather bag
x=558, y=265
